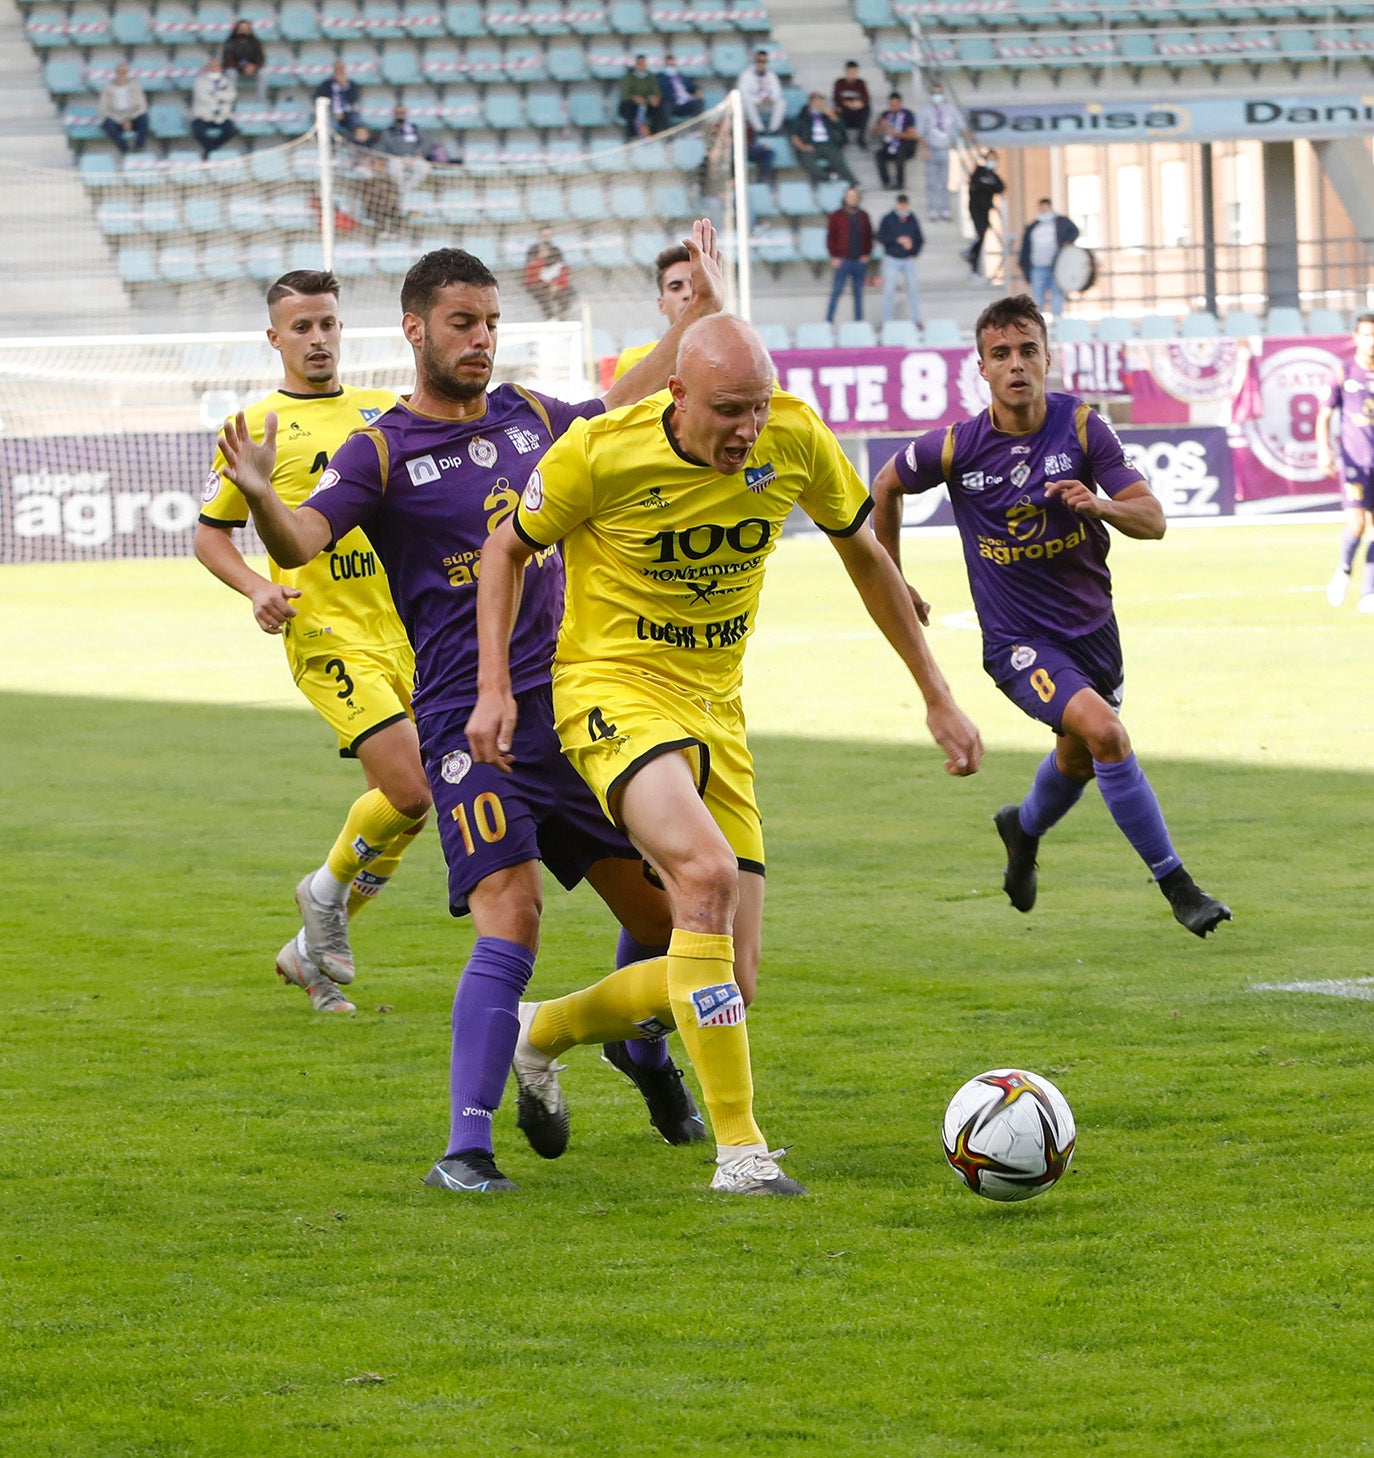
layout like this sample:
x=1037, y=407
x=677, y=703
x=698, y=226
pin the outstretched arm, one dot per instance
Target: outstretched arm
x=1134, y=511
x=491, y=727
x=708, y=293
x=887, y=599
x=887, y=527
x=292, y=538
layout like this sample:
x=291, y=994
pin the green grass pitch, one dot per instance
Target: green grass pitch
x=215, y=1239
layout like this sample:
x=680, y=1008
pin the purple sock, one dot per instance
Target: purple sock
x=1350, y=544
x=643, y=1052
x=485, y=1026
x=1052, y=795
x=1132, y=803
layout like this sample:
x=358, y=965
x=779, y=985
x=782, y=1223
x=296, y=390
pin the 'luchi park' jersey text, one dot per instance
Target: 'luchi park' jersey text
x=1035, y=567
x=345, y=599
x=665, y=555
x=429, y=491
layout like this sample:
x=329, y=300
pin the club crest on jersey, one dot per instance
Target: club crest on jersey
x=757, y=477
x=421, y=470
x=370, y=413
x=533, y=498
x=210, y=490
x=330, y=478
x=1022, y=657
x=523, y=440
x=454, y=766
x=1020, y=474
x=972, y=481
x=719, y=1006
x=481, y=452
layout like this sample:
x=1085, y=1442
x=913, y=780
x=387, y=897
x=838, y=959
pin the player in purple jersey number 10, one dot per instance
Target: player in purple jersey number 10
x=1024, y=479
x=1352, y=398
x=420, y=520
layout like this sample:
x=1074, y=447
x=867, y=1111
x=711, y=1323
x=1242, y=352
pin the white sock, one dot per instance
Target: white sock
x=731, y=1153
x=326, y=887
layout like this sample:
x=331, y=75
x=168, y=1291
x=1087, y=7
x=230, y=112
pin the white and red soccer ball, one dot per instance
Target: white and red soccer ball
x=1008, y=1134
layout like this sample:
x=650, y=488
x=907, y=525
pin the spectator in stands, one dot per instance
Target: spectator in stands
x=547, y=279
x=1041, y=242
x=849, y=239
x=681, y=95
x=984, y=185
x=818, y=140
x=851, y=102
x=761, y=93
x=901, y=237
x=124, y=112
x=409, y=150
x=895, y=133
x=938, y=126
x=379, y=194
x=641, y=102
x=343, y=97
x=212, y=108
x=242, y=56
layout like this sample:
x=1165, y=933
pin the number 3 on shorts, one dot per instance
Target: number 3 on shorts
x=489, y=817
x=1043, y=684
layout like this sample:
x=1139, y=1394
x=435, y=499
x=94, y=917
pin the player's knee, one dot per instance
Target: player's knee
x=410, y=798
x=1110, y=743
x=705, y=888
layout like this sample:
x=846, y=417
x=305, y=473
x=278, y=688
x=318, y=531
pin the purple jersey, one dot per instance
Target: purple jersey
x=1034, y=566
x=1352, y=393
x=430, y=492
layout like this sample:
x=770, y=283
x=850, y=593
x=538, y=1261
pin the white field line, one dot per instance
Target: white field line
x=1360, y=988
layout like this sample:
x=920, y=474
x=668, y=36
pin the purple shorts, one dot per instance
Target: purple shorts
x=540, y=811
x=1358, y=485
x=1041, y=675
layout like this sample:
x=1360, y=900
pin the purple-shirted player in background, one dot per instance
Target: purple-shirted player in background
x=1352, y=394
x=432, y=478
x=1023, y=480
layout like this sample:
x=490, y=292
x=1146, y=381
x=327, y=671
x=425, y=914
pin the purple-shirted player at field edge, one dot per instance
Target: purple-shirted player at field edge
x=1352, y=395
x=1024, y=479
x=432, y=477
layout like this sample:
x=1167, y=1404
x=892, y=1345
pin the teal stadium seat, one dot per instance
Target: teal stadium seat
x=942, y=334
x=340, y=20
x=131, y=26
x=708, y=19
x=525, y=63
x=812, y=245
x=421, y=20
x=566, y=156
x=750, y=17
x=503, y=109
x=775, y=337
x=728, y=58
x=46, y=28
x=900, y=334
x=587, y=108
x=546, y=17
x=545, y=110
x=588, y=17
x=177, y=263
x=668, y=17
x=89, y=25
x=586, y=202
x=1241, y=324
x=762, y=201
x=353, y=259
x=265, y=262
x=567, y=62
x=1285, y=320
x=856, y=334
x=214, y=20
x=401, y=64
x=442, y=64
x=204, y=215
x=151, y=67
x=1199, y=326
x=98, y=169
x=463, y=18
x=629, y=17
x=815, y=334
x=167, y=119
x=222, y=262
x=294, y=118
x=545, y=205
x=1113, y=330
x=645, y=247
x=362, y=61
x=506, y=18
x=137, y=266
x=796, y=199
x=119, y=217
x=628, y=202
x=64, y=76
x=503, y=204
x=381, y=21
x=774, y=245
x=609, y=59
x=485, y=64
x=1159, y=326
x=299, y=22
x=460, y=113
x=173, y=25
x=1326, y=322
x=81, y=121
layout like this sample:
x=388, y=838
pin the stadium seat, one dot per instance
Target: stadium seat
x=728, y=58
x=265, y=262
x=566, y=156
x=1069, y=331
x=503, y=204
x=775, y=336
x=545, y=205
x=1199, y=326
x=81, y=122
x=774, y=245
x=1114, y=330
x=119, y=217
x=340, y=20
x=1159, y=326
x=381, y=21
x=1241, y=324
x=1284, y=320
x=796, y=199
x=506, y=18
x=830, y=195
x=401, y=65
x=811, y=244
x=586, y=202
x=484, y=63
x=299, y=22
x=131, y=26
x=688, y=153
x=629, y=17
x=628, y=202
x=98, y=168
x=567, y=62
x=815, y=334
x=214, y=22
x=161, y=214
x=177, y=264
x=545, y=110
x=420, y=20
x=546, y=17
x=503, y=109
x=587, y=108
x=762, y=202
x=525, y=63
x=874, y=14
x=137, y=266
x=671, y=200
x=899, y=334
x=588, y=17
x=46, y=27
x=463, y=18
x=168, y=120
x=89, y=25
x=1326, y=321
x=222, y=262
x=856, y=334
x=942, y=333
x=248, y=214
x=204, y=215
x=64, y=76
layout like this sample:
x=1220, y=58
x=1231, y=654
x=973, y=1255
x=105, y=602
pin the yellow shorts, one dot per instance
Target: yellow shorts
x=611, y=723
x=358, y=691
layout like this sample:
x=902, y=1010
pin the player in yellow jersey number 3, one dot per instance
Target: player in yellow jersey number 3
x=667, y=511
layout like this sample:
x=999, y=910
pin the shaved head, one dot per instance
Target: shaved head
x=722, y=391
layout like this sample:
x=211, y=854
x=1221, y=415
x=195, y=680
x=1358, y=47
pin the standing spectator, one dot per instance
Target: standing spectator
x=761, y=93
x=681, y=95
x=124, y=112
x=212, y=108
x=938, y=127
x=641, y=102
x=984, y=185
x=1044, y=236
x=379, y=195
x=818, y=140
x=547, y=280
x=243, y=56
x=849, y=239
x=407, y=147
x=901, y=237
x=851, y=101
x=895, y=132
x=343, y=97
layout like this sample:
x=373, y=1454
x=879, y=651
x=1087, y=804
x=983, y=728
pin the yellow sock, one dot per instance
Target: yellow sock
x=631, y=1002
x=367, y=883
x=373, y=823
x=701, y=990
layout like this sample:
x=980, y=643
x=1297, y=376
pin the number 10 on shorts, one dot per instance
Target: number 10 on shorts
x=488, y=819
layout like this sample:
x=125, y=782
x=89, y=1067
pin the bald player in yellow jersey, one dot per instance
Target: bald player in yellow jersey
x=345, y=645
x=667, y=511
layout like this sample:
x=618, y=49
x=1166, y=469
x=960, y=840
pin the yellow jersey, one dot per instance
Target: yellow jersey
x=664, y=555
x=345, y=599
x=632, y=356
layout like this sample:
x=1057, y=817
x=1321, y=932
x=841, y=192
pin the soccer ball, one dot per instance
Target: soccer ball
x=1008, y=1134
